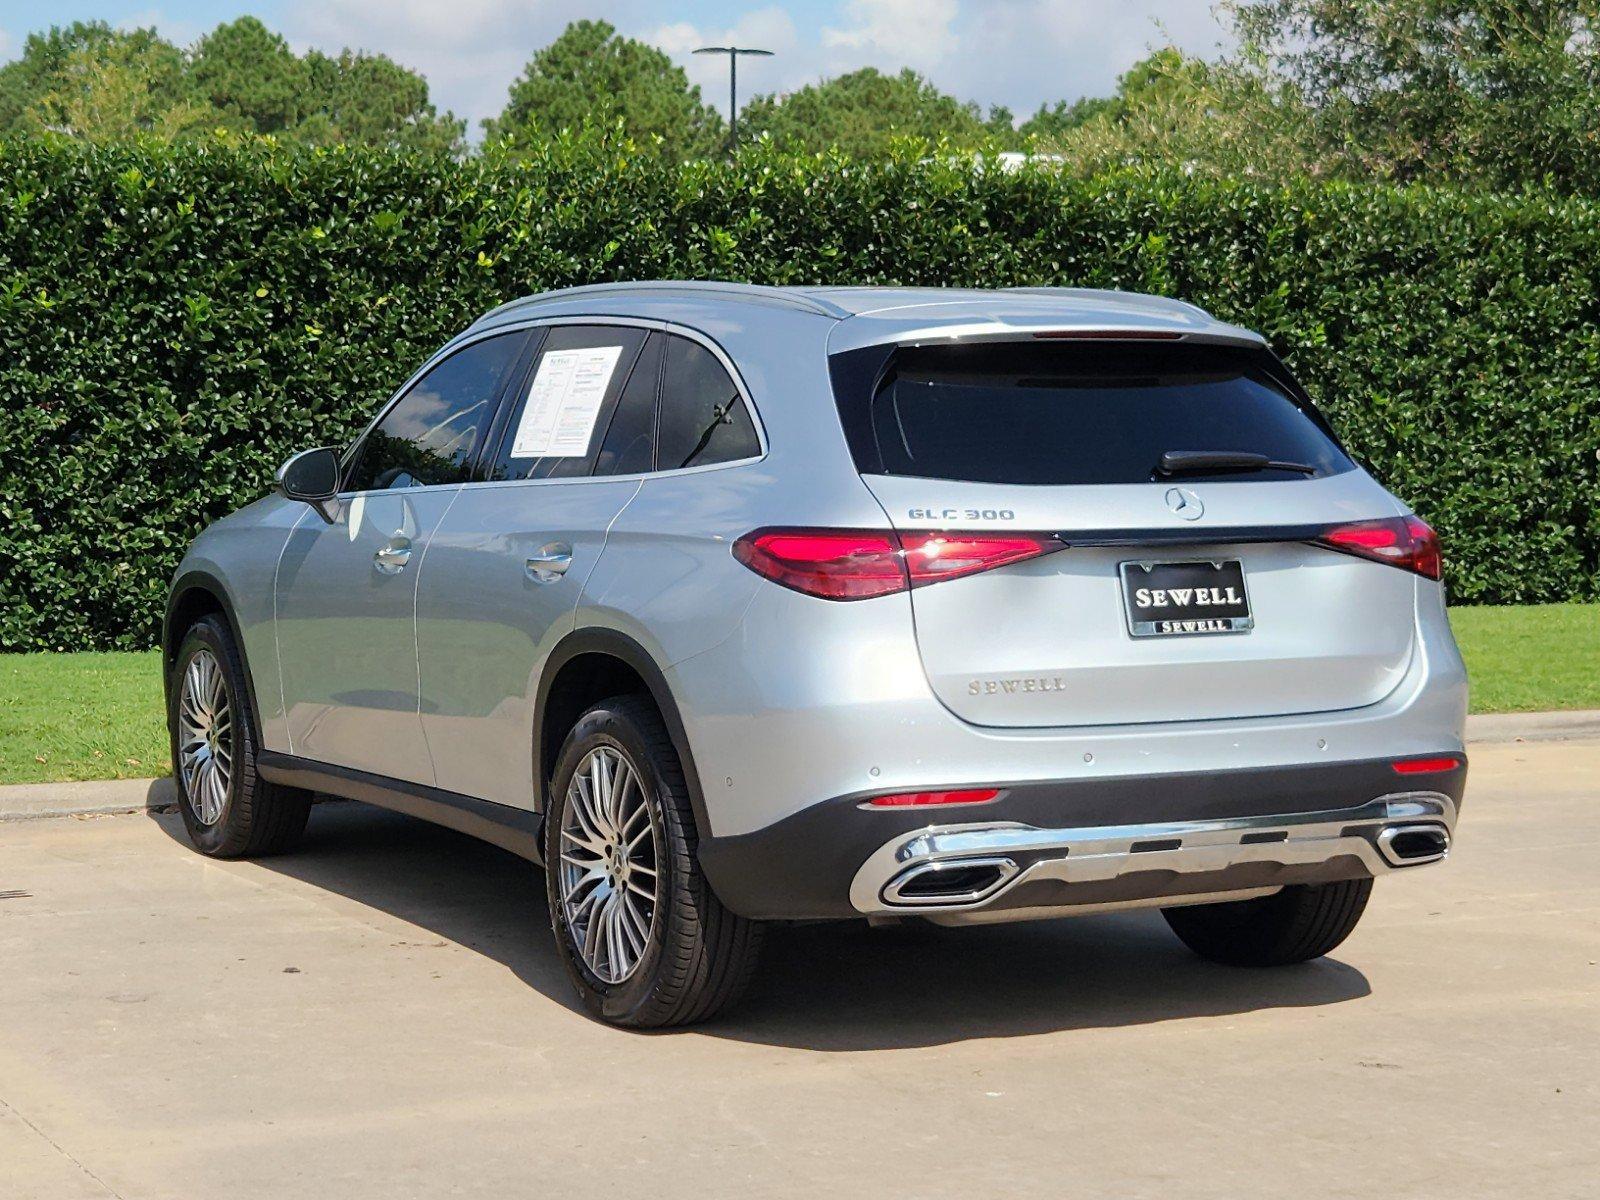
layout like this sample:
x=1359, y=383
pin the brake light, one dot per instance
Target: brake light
x=1406, y=542
x=1425, y=766
x=1110, y=335
x=918, y=799
x=856, y=564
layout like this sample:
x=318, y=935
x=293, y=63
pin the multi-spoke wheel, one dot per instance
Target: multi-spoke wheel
x=644, y=938
x=228, y=809
x=610, y=864
x=205, y=737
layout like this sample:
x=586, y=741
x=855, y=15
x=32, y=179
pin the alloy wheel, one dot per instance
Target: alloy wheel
x=205, y=738
x=609, y=873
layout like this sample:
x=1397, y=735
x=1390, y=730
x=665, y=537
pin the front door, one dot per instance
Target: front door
x=346, y=591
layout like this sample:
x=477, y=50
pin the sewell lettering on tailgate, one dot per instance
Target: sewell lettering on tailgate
x=1006, y=687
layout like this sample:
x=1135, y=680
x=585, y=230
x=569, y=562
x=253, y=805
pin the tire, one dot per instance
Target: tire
x=693, y=958
x=1294, y=925
x=235, y=813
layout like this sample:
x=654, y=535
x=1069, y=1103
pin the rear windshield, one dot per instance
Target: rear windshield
x=1040, y=413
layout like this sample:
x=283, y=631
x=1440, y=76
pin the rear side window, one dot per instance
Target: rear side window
x=430, y=435
x=1074, y=414
x=629, y=447
x=560, y=418
x=703, y=418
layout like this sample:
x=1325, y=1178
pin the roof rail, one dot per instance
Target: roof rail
x=1166, y=302
x=684, y=287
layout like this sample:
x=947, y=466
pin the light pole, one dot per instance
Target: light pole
x=733, y=53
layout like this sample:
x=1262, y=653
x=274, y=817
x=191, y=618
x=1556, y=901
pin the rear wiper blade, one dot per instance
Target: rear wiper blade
x=1209, y=462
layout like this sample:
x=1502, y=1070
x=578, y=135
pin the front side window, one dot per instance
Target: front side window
x=703, y=418
x=430, y=435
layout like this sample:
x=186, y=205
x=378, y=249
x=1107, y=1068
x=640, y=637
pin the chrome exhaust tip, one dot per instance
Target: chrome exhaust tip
x=949, y=881
x=1413, y=845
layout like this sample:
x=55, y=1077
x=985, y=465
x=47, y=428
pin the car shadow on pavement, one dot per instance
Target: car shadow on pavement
x=831, y=987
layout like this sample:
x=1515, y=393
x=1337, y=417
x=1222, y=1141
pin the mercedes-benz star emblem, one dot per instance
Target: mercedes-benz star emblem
x=1185, y=504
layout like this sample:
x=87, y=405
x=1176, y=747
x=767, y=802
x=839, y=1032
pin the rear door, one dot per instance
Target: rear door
x=1189, y=594
x=508, y=562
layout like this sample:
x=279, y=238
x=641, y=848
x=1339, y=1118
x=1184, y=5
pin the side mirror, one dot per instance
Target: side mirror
x=312, y=477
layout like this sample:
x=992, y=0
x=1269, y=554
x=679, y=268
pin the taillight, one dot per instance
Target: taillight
x=833, y=564
x=920, y=799
x=931, y=557
x=855, y=564
x=1405, y=542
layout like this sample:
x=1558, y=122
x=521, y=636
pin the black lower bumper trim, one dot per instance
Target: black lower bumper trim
x=801, y=867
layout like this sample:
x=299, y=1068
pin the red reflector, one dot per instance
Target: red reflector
x=1425, y=766
x=1405, y=542
x=855, y=564
x=906, y=799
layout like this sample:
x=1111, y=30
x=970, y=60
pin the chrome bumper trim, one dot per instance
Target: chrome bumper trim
x=1103, y=852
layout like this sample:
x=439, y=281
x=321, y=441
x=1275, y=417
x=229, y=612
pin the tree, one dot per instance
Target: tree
x=1501, y=93
x=1137, y=85
x=591, y=74
x=1173, y=111
x=1054, y=120
x=113, y=95
x=248, y=75
x=368, y=99
x=863, y=110
x=91, y=81
x=54, y=63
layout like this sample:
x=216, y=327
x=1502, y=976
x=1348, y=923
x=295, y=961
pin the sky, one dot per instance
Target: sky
x=1019, y=53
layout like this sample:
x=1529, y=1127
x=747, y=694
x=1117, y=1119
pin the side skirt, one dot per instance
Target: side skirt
x=515, y=829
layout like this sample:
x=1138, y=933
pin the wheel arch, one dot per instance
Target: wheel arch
x=554, y=699
x=195, y=594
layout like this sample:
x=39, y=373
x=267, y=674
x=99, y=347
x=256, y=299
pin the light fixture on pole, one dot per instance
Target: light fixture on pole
x=733, y=53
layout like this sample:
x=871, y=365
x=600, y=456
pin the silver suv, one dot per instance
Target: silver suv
x=733, y=604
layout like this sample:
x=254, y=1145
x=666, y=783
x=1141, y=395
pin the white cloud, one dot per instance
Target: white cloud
x=469, y=50
x=178, y=32
x=7, y=46
x=894, y=33
x=770, y=28
x=1020, y=53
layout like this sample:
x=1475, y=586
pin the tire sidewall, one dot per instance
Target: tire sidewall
x=207, y=635
x=614, y=1002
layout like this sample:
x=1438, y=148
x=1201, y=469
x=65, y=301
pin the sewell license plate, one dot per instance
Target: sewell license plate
x=1177, y=598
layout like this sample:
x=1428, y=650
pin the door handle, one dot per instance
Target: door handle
x=549, y=564
x=392, y=558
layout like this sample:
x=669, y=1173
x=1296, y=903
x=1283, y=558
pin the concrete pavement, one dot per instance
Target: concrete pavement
x=381, y=1014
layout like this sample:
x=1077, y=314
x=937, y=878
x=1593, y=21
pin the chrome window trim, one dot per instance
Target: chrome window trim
x=462, y=341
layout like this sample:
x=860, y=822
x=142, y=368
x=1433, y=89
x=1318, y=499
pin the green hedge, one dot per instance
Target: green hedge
x=174, y=321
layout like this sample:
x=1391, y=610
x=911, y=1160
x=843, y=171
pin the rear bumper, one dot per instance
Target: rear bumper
x=1045, y=849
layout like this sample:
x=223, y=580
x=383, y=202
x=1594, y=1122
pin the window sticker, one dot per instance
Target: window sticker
x=564, y=403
